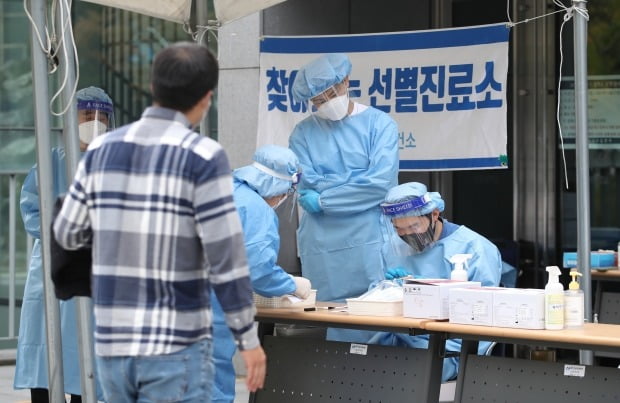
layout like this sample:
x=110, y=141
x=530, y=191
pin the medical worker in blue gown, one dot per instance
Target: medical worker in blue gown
x=95, y=116
x=423, y=243
x=259, y=189
x=349, y=158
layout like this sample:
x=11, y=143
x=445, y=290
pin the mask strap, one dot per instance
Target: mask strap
x=273, y=173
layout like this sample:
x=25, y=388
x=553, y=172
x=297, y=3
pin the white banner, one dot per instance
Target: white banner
x=446, y=89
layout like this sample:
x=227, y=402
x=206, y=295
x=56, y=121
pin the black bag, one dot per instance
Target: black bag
x=71, y=269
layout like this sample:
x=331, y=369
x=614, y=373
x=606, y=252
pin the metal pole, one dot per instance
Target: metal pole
x=38, y=9
x=202, y=19
x=83, y=305
x=12, y=224
x=580, y=37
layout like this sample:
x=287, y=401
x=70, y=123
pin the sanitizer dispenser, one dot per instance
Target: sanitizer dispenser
x=460, y=266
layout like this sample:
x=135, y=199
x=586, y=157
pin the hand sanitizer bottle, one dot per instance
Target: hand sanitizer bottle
x=460, y=265
x=573, y=303
x=554, y=300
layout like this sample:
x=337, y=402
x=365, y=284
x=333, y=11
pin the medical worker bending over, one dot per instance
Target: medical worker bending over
x=95, y=116
x=423, y=244
x=259, y=189
x=349, y=158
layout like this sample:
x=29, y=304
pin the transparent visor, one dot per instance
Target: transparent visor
x=409, y=234
x=284, y=204
x=287, y=207
x=94, y=119
x=330, y=106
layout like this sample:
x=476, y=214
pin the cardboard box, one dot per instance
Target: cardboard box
x=519, y=308
x=429, y=298
x=472, y=306
x=597, y=259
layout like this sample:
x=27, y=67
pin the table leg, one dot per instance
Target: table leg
x=467, y=347
x=436, y=349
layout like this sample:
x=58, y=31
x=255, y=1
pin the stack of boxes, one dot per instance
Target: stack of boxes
x=502, y=307
x=467, y=302
x=430, y=298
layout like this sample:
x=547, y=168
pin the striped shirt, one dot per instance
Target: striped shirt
x=155, y=199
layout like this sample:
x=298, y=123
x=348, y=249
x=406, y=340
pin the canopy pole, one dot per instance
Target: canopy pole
x=202, y=20
x=580, y=37
x=38, y=9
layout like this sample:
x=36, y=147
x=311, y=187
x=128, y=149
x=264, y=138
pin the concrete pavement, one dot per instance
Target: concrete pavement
x=9, y=395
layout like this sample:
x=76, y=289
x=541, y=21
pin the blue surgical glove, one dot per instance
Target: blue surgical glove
x=309, y=200
x=396, y=272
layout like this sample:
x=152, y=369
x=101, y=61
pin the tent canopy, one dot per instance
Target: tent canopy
x=179, y=10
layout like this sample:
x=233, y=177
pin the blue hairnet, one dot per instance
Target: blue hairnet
x=277, y=158
x=93, y=94
x=320, y=74
x=408, y=191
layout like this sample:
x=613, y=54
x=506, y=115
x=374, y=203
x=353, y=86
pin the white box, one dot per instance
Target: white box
x=429, y=298
x=519, y=308
x=357, y=306
x=472, y=306
x=285, y=301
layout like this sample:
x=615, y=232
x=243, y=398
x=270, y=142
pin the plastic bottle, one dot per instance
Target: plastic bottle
x=573, y=303
x=554, y=300
x=460, y=266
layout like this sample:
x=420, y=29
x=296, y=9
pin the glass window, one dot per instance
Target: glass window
x=603, y=130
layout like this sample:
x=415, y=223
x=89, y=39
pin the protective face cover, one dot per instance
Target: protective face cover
x=410, y=224
x=91, y=129
x=335, y=109
x=419, y=242
x=95, y=114
x=332, y=104
x=279, y=203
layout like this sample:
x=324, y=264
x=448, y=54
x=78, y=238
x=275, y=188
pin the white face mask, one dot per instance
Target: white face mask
x=91, y=129
x=334, y=109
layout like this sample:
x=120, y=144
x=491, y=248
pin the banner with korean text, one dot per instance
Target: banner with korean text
x=446, y=90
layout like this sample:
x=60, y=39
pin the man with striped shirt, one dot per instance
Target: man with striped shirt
x=155, y=200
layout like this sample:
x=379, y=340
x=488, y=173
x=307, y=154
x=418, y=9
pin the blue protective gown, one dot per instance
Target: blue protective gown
x=484, y=266
x=31, y=363
x=262, y=243
x=352, y=164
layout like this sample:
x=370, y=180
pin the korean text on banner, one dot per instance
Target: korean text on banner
x=446, y=89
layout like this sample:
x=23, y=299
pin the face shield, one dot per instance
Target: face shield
x=411, y=231
x=332, y=104
x=94, y=118
x=329, y=111
x=280, y=202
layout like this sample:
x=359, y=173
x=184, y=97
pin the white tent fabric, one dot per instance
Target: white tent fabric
x=171, y=10
x=229, y=10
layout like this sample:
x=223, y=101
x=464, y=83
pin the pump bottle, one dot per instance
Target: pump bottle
x=573, y=303
x=554, y=300
x=460, y=266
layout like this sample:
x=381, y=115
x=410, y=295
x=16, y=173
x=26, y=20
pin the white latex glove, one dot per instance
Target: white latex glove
x=302, y=287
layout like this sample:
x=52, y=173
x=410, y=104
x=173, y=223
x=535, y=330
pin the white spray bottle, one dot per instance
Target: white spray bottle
x=460, y=266
x=554, y=300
